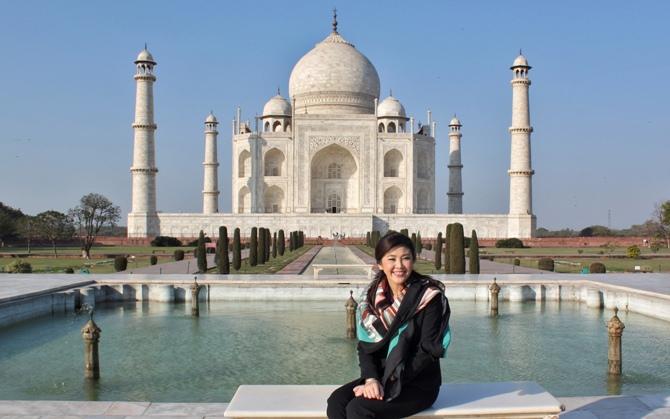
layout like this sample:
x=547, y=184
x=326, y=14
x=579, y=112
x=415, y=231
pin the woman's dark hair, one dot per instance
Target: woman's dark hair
x=386, y=243
x=390, y=241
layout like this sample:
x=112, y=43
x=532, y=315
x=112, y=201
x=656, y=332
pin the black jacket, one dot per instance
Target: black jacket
x=415, y=361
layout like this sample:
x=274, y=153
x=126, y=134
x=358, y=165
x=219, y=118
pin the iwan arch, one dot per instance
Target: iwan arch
x=332, y=158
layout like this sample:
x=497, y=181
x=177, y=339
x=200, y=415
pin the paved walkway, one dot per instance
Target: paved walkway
x=655, y=406
x=337, y=255
x=299, y=265
x=16, y=286
x=187, y=266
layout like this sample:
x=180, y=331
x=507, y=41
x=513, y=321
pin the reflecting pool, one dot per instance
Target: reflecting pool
x=158, y=352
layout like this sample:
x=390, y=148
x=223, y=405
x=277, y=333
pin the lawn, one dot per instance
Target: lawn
x=42, y=264
x=97, y=250
x=270, y=267
x=575, y=265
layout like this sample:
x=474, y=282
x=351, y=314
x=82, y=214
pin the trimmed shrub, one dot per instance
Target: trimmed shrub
x=428, y=246
x=597, y=268
x=404, y=232
x=546, y=264
x=512, y=243
x=438, y=251
x=633, y=251
x=456, y=249
x=274, y=245
x=201, y=253
x=419, y=245
x=473, y=256
x=69, y=270
x=153, y=260
x=178, y=254
x=237, y=250
x=447, y=262
x=261, y=245
x=195, y=242
x=268, y=244
x=222, y=260
x=281, y=243
x=19, y=267
x=414, y=240
x=165, y=241
x=120, y=263
x=253, y=247
x=301, y=235
x=517, y=262
x=367, y=239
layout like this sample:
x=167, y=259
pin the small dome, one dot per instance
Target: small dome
x=520, y=61
x=145, y=55
x=455, y=121
x=277, y=106
x=391, y=107
x=211, y=119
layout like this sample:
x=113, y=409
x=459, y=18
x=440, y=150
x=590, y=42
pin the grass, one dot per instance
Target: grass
x=569, y=251
x=97, y=250
x=270, y=267
x=575, y=265
x=94, y=266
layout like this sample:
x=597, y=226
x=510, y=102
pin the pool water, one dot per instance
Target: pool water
x=158, y=352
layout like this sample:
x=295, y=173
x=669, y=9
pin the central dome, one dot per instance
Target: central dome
x=334, y=78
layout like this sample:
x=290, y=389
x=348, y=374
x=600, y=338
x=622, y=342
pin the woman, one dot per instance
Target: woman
x=403, y=330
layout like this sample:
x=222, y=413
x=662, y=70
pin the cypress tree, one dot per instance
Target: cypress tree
x=237, y=250
x=302, y=238
x=404, y=232
x=473, y=257
x=253, y=247
x=419, y=245
x=457, y=249
x=268, y=244
x=274, y=245
x=438, y=251
x=414, y=240
x=447, y=262
x=223, y=260
x=281, y=242
x=261, y=246
x=202, y=255
x=367, y=239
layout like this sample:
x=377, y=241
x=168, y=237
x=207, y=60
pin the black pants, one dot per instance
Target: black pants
x=343, y=405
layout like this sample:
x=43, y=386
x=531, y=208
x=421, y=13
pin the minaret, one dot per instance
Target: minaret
x=210, y=190
x=455, y=193
x=520, y=172
x=144, y=169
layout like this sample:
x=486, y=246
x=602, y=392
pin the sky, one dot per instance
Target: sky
x=600, y=94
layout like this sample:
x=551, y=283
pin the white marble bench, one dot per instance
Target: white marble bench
x=524, y=399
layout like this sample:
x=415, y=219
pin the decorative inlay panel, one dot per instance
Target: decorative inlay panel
x=317, y=142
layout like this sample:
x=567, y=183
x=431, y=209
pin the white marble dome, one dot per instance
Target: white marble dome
x=211, y=118
x=391, y=107
x=145, y=55
x=520, y=61
x=277, y=106
x=454, y=121
x=334, y=78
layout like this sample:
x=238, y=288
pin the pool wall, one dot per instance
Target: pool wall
x=176, y=288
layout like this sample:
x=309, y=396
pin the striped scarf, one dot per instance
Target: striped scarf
x=375, y=319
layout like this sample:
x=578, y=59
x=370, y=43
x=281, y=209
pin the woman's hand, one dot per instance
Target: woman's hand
x=373, y=389
x=358, y=390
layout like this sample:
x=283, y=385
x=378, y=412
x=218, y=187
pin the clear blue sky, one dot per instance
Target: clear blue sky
x=600, y=98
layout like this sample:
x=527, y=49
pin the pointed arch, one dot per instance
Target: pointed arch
x=274, y=162
x=244, y=164
x=244, y=200
x=391, y=127
x=392, y=196
x=276, y=126
x=273, y=199
x=392, y=161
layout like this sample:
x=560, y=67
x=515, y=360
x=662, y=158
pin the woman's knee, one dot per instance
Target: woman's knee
x=357, y=409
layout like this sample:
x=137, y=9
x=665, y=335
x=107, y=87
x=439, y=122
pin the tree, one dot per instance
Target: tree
x=419, y=245
x=447, y=243
x=281, y=242
x=261, y=246
x=54, y=226
x=662, y=216
x=223, y=261
x=438, y=251
x=456, y=249
x=9, y=218
x=202, y=253
x=26, y=226
x=237, y=250
x=93, y=212
x=253, y=247
x=274, y=245
x=473, y=257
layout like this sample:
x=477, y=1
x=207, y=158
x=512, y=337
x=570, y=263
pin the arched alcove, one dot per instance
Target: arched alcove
x=273, y=199
x=392, y=162
x=392, y=196
x=274, y=162
x=244, y=164
x=334, y=173
x=244, y=200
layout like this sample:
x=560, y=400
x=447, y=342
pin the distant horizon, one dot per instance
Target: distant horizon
x=598, y=98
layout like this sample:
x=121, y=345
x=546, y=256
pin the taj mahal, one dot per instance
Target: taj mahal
x=331, y=158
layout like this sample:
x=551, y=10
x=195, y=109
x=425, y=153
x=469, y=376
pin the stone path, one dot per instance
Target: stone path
x=14, y=286
x=186, y=266
x=487, y=266
x=655, y=406
x=299, y=265
x=337, y=255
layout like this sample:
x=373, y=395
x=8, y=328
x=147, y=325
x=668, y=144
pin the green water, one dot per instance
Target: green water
x=157, y=352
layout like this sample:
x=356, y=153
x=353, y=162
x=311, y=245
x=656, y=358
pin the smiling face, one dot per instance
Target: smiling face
x=397, y=264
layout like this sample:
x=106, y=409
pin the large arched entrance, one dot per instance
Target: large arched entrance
x=334, y=181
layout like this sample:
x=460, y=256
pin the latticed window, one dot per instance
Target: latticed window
x=334, y=203
x=334, y=171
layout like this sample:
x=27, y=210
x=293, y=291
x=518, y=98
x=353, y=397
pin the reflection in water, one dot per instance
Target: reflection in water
x=159, y=352
x=614, y=384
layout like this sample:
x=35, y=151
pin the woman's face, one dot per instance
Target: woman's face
x=397, y=264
